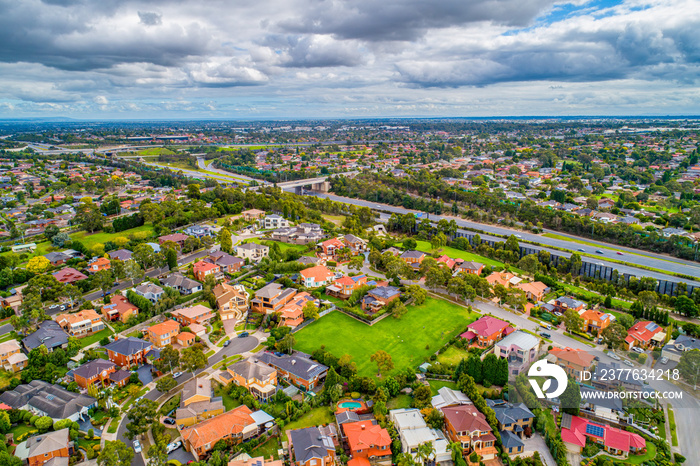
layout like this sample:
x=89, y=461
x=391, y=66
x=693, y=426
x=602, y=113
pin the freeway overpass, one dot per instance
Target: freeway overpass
x=319, y=184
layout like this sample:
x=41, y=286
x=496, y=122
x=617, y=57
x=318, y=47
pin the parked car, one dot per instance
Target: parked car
x=545, y=334
x=614, y=356
x=558, y=314
x=173, y=446
x=227, y=342
x=137, y=446
x=596, y=358
x=628, y=363
x=169, y=421
x=598, y=251
x=243, y=335
x=637, y=350
x=663, y=360
x=177, y=374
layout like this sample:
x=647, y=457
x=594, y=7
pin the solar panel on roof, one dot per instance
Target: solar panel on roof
x=595, y=429
x=651, y=326
x=49, y=397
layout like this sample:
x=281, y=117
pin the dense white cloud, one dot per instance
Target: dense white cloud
x=310, y=58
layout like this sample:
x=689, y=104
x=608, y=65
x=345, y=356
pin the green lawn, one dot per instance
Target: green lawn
x=114, y=425
x=268, y=449
x=337, y=219
x=91, y=239
x=452, y=356
x=410, y=340
x=95, y=337
x=400, y=401
x=283, y=246
x=672, y=423
x=315, y=417
x=229, y=403
x=436, y=385
x=21, y=429
x=636, y=459
x=458, y=253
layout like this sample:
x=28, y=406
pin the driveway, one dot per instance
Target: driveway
x=144, y=373
x=237, y=346
x=537, y=443
x=181, y=455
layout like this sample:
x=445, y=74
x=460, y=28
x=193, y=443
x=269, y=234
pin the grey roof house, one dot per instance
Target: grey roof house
x=49, y=334
x=45, y=399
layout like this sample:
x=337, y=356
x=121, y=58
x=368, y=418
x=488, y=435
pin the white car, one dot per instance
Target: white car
x=628, y=363
x=173, y=446
x=614, y=356
x=663, y=360
x=177, y=374
x=637, y=350
x=137, y=446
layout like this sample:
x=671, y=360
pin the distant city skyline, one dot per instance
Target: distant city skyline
x=306, y=59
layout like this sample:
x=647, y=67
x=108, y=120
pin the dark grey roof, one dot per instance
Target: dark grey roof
x=510, y=440
x=308, y=260
x=252, y=246
x=570, y=302
x=297, y=363
x=93, y=368
x=119, y=375
x=470, y=265
x=346, y=416
x=614, y=404
x=310, y=443
x=177, y=280
x=412, y=255
x=385, y=292
x=128, y=346
x=121, y=254
x=50, y=334
x=687, y=342
x=54, y=400
x=508, y=413
x=57, y=256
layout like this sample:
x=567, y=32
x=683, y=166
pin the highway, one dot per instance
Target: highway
x=639, y=258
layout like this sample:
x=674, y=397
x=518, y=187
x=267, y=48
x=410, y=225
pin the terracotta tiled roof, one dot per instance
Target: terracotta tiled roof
x=363, y=435
x=164, y=327
x=218, y=427
x=319, y=273
x=573, y=355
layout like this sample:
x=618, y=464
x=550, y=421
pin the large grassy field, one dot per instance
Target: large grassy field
x=458, y=253
x=91, y=239
x=410, y=340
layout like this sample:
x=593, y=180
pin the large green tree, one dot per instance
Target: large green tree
x=115, y=453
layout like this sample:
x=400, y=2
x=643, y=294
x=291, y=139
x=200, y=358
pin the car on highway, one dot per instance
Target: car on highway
x=243, y=335
x=638, y=350
x=177, y=374
x=628, y=363
x=581, y=250
x=619, y=253
x=137, y=446
x=614, y=356
x=173, y=446
x=663, y=360
x=598, y=251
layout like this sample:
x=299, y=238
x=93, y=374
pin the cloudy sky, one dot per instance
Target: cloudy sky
x=357, y=58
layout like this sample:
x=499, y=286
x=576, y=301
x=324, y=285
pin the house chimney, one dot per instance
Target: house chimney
x=363, y=427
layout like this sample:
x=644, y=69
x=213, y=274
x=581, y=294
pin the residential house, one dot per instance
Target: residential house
x=534, y=291
x=446, y=261
x=313, y=277
x=355, y=244
x=98, y=264
x=623, y=378
x=311, y=447
x=565, y=303
x=233, y=426
x=245, y=460
x=164, y=333
x=231, y=300
x=128, y=351
x=519, y=348
x=296, y=368
x=270, y=222
x=186, y=339
x=119, y=308
x=120, y=254
x=379, y=297
x=45, y=399
x=331, y=246
x=674, y=349
x=413, y=258
x=573, y=360
x=11, y=356
x=256, y=377
x=177, y=238
x=198, y=231
x=57, y=258
x=100, y=371
x=69, y=275
x=292, y=314
x=182, y=284
x=576, y=430
x=449, y=397
x=82, y=323
x=303, y=233
x=466, y=425
x=252, y=251
x=368, y=440
x=226, y=262
x=197, y=403
x=271, y=298
x=515, y=421
x=195, y=314
x=344, y=286
x=645, y=334
x=252, y=214
x=594, y=321
x=49, y=334
x=413, y=431
x=203, y=269
x=52, y=447
x=150, y=291
x=596, y=403
x=486, y=331
x=470, y=267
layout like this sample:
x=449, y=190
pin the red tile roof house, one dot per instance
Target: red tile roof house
x=233, y=427
x=313, y=277
x=119, y=309
x=487, y=331
x=196, y=314
x=344, y=286
x=448, y=261
x=466, y=425
x=575, y=430
x=368, y=440
x=177, y=238
x=644, y=334
x=329, y=247
x=202, y=269
x=69, y=275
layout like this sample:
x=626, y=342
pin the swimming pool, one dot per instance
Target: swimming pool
x=350, y=405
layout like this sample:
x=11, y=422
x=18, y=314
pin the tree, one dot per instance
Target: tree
x=193, y=359
x=44, y=423
x=50, y=231
x=141, y=415
x=5, y=424
x=286, y=345
x=158, y=452
x=422, y=396
x=383, y=361
x=60, y=240
x=399, y=310
x=225, y=240
x=9, y=460
x=38, y=264
x=89, y=217
x=144, y=255
x=310, y=310
x=686, y=306
x=573, y=321
x=165, y=384
x=689, y=366
x=357, y=262
x=169, y=359
x=417, y=293
x=171, y=258
x=571, y=398
x=614, y=335
x=425, y=452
